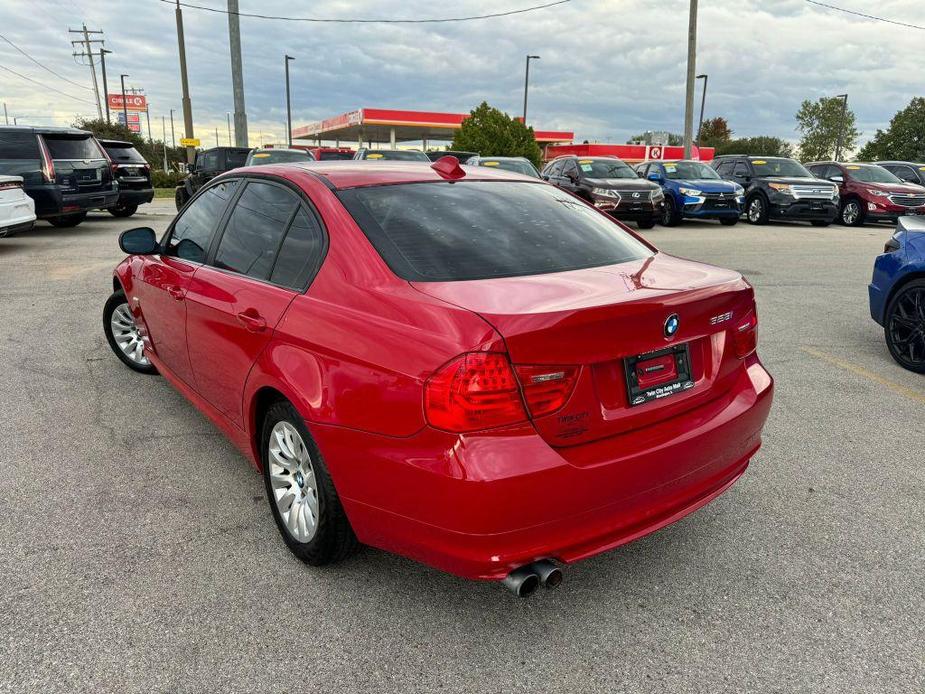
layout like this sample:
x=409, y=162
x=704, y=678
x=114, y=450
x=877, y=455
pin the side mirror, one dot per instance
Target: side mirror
x=139, y=241
x=837, y=179
x=545, y=177
x=655, y=176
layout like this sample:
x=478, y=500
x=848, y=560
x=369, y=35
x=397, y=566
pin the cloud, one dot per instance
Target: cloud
x=609, y=69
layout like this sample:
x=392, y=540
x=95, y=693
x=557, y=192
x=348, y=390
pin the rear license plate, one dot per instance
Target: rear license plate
x=657, y=375
x=87, y=176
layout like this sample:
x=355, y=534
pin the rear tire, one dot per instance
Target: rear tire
x=903, y=326
x=646, y=223
x=756, y=210
x=302, y=498
x=122, y=334
x=728, y=221
x=123, y=210
x=68, y=220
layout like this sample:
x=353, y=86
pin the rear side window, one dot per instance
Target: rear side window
x=300, y=255
x=255, y=229
x=18, y=145
x=193, y=230
x=72, y=147
x=473, y=230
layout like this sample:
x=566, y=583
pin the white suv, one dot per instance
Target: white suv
x=17, y=210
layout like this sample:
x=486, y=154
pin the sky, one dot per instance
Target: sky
x=609, y=69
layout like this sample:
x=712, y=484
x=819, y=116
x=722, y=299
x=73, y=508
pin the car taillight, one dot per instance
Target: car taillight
x=546, y=388
x=9, y=185
x=475, y=391
x=48, y=166
x=745, y=336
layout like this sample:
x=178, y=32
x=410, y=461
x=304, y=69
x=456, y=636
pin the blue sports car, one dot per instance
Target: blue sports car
x=897, y=293
x=694, y=189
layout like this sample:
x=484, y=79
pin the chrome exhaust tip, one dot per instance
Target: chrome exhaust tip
x=522, y=582
x=549, y=574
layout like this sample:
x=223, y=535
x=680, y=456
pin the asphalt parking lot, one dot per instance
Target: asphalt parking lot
x=139, y=553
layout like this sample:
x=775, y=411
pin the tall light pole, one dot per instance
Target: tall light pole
x=103, y=53
x=228, y=114
x=173, y=139
x=527, y=83
x=691, y=72
x=124, y=107
x=184, y=81
x=288, y=105
x=841, y=126
x=703, y=102
x=237, y=74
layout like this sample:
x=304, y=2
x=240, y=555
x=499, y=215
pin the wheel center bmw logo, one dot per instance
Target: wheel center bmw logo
x=672, y=323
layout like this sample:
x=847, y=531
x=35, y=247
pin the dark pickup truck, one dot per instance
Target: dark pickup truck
x=208, y=164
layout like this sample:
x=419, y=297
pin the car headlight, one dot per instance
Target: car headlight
x=605, y=192
x=738, y=190
x=877, y=193
x=690, y=192
x=835, y=194
x=784, y=188
x=657, y=195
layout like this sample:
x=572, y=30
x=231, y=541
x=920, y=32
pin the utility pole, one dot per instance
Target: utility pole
x=164, y=139
x=173, y=139
x=527, y=83
x=216, y=137
x=237, y=74
x=103, y=53
x=148, y=115
x=691, y=71
x=703, y=102
x=89, y=53
x=187, y=105
x=124, y=107
x=288, y=106
x=6, y=116
x=228, y=115
x=841, y=128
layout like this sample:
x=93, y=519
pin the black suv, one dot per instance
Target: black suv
x=133, y=174
x=779, y=188
x=610, y=185
x=64, y=170
x=209, y=163
x=907, y=171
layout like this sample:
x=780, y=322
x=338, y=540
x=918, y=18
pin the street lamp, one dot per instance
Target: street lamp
x=124, y=107
x=527, y=83
x=703, y=102
x=103, y=53
x=841, y=127
x=288, y=106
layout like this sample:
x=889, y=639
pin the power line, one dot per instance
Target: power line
x=44, y=86
x=866, y=16
x=369, y=21
x=47, y=69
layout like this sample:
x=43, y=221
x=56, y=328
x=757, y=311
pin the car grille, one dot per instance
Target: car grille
x=718, y=201
x=908, y=199
x=813, y=192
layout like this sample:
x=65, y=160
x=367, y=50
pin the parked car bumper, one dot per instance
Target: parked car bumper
x=785, y=207
x=51, y=201
x=135, y=196
x=878, y=211
x=16, y=214
x=481, y=505
x=701, y=211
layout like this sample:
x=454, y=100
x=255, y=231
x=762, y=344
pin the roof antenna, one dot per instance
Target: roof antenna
x=448, y=167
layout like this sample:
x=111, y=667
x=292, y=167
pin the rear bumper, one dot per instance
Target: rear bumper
x=16, y=215
x=136, y=196
x=51, y=201
x=479, y=506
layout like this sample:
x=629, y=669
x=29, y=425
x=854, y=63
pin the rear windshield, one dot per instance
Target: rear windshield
x=471, y=230
x=235, y=158
x=18, y=145
x=72, y=147
x=521, y=167
x=396, y=155
x=124, y=154
x=329, y=156
x=279, y=156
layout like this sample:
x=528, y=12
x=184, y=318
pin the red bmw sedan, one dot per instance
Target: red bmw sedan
x=461, y=365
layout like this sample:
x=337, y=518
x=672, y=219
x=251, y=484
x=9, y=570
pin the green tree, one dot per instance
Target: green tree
x=714, y=132
x=762, y=145
x=152, y=151
x=493, y=133
x=820, y=124
x=904, y=140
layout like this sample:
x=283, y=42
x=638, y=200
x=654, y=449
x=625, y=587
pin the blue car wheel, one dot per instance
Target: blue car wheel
x=904, y=326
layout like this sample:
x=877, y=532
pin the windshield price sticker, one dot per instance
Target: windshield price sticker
x=853, y=168
x=586, y=167
x=759, y=162
x=670, y=168
x=489, y=163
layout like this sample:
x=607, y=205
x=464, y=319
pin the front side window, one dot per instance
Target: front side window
x=193, y=229
x=61, y=147
x=470, y=230
x=741, y=169
x=255, y=229
x=724, y=168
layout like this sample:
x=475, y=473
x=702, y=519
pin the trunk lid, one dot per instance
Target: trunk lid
x=600, y=319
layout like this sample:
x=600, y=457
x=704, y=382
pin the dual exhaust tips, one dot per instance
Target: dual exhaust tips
x=525, y=580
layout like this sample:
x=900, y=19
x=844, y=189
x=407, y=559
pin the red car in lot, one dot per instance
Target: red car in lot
x=870, y=193
x=468, y=367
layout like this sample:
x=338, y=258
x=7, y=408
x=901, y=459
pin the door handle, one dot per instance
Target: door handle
x=175, y=292
x=252, y=320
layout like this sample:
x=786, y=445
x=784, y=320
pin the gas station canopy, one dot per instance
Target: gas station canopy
x=378, y=125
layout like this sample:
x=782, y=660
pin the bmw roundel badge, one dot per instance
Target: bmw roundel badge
x=672, y=323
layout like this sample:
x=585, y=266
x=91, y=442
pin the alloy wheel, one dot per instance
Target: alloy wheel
x=126, y=335
x=754, y=210
x=850, y=213
x=292, y=478
x=906, y=326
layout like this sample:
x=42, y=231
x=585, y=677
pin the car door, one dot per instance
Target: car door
x=236, y=300
x=164, y=279
x=741, y=174
x=570, y=179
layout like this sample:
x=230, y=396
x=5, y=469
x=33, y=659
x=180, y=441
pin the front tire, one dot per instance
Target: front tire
x=756, y=210
x=122, y=210
x=671, y=215
x=123, y=336
x=68, y=220
x=302, y=497
x=904, y=326
x=646, y=223
x=852, y=213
